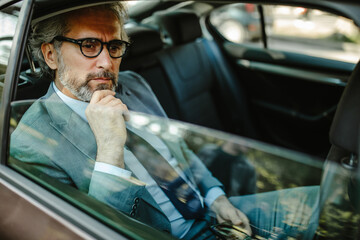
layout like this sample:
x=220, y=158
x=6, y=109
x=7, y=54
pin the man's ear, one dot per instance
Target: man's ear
x=50, y=55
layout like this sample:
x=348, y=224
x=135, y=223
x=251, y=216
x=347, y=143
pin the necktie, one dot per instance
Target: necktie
x=176, y=188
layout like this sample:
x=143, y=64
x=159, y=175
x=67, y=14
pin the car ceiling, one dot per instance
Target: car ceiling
x=349, y=9
x=47, y=8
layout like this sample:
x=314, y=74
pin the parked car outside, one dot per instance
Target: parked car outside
x=238, y=22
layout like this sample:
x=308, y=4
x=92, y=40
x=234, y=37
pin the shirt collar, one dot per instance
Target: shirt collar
x=76, y=105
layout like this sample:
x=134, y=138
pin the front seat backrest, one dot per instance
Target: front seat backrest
x=344, y=132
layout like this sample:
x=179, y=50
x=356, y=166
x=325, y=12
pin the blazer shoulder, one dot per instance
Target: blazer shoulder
x=29, y=113
x=134, y=82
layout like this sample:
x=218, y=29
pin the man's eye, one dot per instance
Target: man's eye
x=90, y=44
x=115, y=47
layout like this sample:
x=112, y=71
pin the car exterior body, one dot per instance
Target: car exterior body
x=246, y=14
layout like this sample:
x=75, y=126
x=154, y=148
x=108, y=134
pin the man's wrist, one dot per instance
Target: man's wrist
x=115, y=158
x=218, y=203
x=212, y=195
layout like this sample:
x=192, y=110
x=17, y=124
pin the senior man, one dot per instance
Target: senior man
x=82, y=119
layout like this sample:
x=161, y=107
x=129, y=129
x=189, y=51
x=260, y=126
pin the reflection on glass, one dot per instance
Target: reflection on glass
x=230, y=164
x=276, y=167
x=272, y=168
x=285, y=203
x=340, y=215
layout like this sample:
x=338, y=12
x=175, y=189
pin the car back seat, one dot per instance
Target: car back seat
x=205, y=88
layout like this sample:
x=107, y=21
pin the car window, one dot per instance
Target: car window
x=312, y=32
x=164, y=157
x=8, y=20
x=244, y=166
x=293, y=29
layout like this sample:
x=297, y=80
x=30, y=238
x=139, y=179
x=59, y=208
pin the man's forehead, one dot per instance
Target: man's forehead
x=90, y=19
x=92, y=13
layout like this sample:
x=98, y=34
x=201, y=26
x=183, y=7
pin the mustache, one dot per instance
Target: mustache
x=103, y=74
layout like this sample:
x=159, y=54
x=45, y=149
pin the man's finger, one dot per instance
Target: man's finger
x=100, y=94
x=244, y=221
x=111, y=101
x=241, y=216
x=126, y=113
x=220, y=219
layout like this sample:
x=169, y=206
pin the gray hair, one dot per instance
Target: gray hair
x=45, y=31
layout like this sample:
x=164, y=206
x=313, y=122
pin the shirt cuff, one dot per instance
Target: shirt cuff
x=111, y=169
x=212, y=195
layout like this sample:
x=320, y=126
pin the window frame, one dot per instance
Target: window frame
x=12, y=72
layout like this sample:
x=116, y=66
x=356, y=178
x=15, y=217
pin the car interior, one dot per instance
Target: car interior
x=257, y=93
x=207, y=81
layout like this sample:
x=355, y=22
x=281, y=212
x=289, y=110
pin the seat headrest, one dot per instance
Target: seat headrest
x=182, y=26
x=143, y=41
x=344, y=132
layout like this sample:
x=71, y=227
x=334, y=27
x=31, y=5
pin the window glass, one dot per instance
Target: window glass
x=312, y=32
x=168, y=153
x=130, y=4
x=8, y=20
x=293, y=29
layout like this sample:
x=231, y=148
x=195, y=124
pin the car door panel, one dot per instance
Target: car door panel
x=292, y=97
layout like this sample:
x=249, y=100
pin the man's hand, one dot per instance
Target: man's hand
x=226, y=212
x=106, y=116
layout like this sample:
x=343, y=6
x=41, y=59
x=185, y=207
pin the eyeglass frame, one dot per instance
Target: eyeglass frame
x=81, y=40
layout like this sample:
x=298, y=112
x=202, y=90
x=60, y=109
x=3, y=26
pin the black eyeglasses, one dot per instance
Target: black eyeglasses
x=92, y=47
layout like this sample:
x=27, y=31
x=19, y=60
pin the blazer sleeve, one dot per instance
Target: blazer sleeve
x=59, y=163
x=115, y=191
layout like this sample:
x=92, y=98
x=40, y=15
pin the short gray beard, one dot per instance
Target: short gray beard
x=83, y=92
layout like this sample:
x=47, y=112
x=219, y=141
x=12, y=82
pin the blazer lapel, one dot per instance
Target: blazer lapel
x=131, y=100
x=70, y=125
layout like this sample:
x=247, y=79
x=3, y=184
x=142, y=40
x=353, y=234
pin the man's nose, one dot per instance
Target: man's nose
x=104, y=60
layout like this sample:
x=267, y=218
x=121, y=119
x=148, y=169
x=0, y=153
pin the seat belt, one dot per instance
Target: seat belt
x=228, y=83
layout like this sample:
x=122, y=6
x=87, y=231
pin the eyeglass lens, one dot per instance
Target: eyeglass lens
x=92, y=47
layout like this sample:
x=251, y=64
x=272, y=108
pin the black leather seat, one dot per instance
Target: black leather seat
x=205, y=88
x=344, y=132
